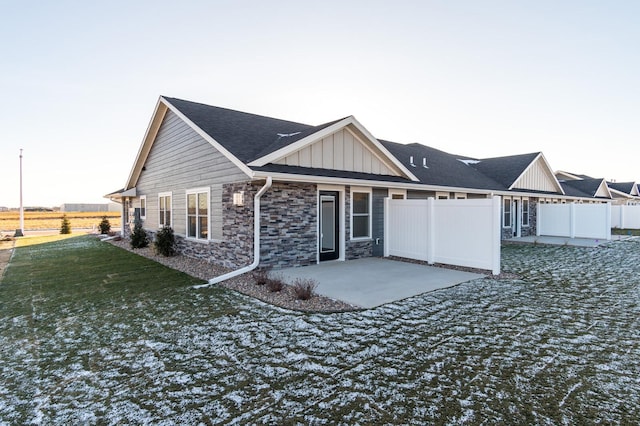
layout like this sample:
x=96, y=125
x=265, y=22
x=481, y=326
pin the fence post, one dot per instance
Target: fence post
x=496, y=235
x=572, y=220
x=538, y=218
x=431, y=246
x=608, y=225
x=386, y=226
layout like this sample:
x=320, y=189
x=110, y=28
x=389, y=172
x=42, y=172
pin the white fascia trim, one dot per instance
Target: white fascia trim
x=549, y=170
x=603, y=185
x=620, y=194
x=296, y=146
x=147, y=142
x=381, y=147
x=242, y=166
x=320, y=180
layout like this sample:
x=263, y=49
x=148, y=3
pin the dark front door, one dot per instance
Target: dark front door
x=329, y=222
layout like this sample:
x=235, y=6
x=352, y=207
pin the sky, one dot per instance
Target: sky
x=80, y=80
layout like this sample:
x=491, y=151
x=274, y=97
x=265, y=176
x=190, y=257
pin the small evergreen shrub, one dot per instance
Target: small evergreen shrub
x=304, y=288
x=65, y=228
x=104, y=225
x=139, y=238
x=165, y=243
x=274, y=284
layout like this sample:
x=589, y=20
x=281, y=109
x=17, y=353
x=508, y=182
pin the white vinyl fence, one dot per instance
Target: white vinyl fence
x=625, y=217
x=453, y=232
x=574, y=220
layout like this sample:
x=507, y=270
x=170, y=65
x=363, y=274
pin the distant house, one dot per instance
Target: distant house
x=4, y=209
x=202, y=170
x=87, y=207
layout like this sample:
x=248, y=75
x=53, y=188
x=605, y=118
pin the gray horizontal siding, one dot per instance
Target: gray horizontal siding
x=179, y=160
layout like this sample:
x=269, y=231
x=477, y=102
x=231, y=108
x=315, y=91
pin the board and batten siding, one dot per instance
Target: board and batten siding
x=179, y=160
x=537, y=178
x=341, y=150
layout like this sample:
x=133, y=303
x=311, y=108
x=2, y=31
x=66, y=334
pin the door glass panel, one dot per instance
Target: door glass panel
x=327, y=225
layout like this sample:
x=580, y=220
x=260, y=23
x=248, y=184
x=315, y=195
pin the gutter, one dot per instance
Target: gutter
x=256, y=241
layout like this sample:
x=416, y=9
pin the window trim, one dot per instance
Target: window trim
x=394, y=192
x=504, y=212
x=143, y=211
x=441, y=195
x=196, y=191
x=522, y=212
x=361, y=190
x=160, y=196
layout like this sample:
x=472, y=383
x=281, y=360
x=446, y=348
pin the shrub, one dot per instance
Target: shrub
x=65, y=228
x=261, y=276
x=165, y=243
x=274, y=284
x=304, y=288
x=139, y=238
x=104, y=225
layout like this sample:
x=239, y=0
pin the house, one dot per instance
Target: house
x=239, y=188
x=624, y=193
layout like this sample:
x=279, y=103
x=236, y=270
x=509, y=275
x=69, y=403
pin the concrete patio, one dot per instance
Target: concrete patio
x=372, y=282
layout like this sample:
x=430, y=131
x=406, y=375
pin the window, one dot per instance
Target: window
x=507, y=213
x=164, y=209
x=525, y=212
x=442, y=195
x=143, y=206
x=360, y=214
x=198, y=214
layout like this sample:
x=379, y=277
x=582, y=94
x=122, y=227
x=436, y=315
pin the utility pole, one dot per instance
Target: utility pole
x=20, y=232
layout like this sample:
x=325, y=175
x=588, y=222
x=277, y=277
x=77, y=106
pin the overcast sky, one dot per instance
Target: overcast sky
x=79, y=80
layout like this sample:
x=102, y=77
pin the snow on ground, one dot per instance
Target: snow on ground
x=559, y=346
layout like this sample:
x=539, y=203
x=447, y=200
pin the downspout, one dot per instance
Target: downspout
x=256, y=241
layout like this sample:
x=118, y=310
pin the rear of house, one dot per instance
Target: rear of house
x=320, y=189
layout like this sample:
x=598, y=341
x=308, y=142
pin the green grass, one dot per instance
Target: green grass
x=93, y=334
x=618, y=231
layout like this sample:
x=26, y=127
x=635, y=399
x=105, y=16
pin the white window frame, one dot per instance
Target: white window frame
x=525, y=211
x=395, y=192
x=442, y=195
x=143, y=211
x=162, y=195
x=504, y=212
x=461, y=195
x=196, y=191
x=361, y=190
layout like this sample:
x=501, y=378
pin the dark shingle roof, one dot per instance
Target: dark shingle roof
x=505, y=170
x=246, y=136
x=250, y=136
x=443, y=168
x=625, y=187
x=589, y=187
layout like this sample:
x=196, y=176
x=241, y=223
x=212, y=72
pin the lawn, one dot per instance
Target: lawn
x=90, y=333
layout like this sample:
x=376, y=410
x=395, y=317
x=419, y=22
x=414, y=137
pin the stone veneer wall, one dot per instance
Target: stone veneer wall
x=525, y=231
x=287, y=221
x=289, y=225
x=288, y=228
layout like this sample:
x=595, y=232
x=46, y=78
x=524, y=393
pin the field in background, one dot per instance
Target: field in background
x=10, y=221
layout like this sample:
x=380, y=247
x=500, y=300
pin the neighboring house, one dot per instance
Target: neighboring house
x=88, y=207
x=624, y=193
x=320, y=190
